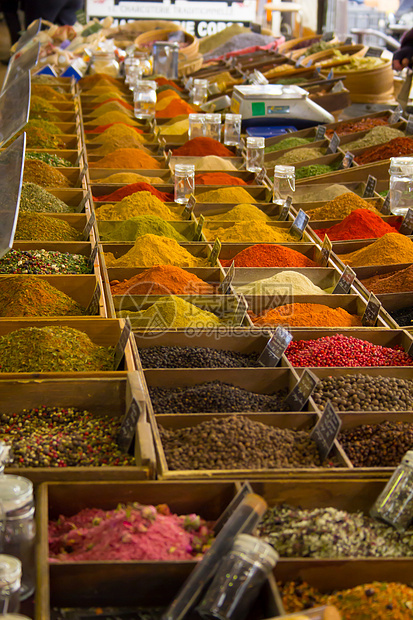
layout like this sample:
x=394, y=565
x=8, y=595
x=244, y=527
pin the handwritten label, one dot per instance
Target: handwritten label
x=122, y=342
x=330, y=74
x=386, y=208
x=334, y=143
x=371, y=312
x=93, y=256
x=285, y=209
x=338, y=87
x=198, y=230
x=347, y=278
x=216, y=249
x=326, y=430
x=161, y=146
x=225, y=286
x=299, y=225
x=299, y=395
x=275, y=348
x=259, y=178
x=189, y=208
x=87, y=229
x=127, y=429
x=347, y=161
x=168, y=158
x=375, y=52
x=323, y=256
x=327, y=36
x=370, y=187
x=407, y=225
x=299, y=61
x=348, y=41
x=309, y=63
x=81, y=207
x=94, y=307
x=240, y=311
x=396, y=115
x=320, y=133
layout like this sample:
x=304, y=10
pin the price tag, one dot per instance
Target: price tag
x=299, y=61
x=320, y=133
x=327, y=36
x=260, y=176
x=161, y=146
x=285, y=209
x=334, y=144
x=374, y=51
x=347, y=278
x=299, y=225
x=94, y=308
x=216, y=249
x=370, y=187
x=189, y=83
x=168, y=158
x=409, y=127
x=85, y=198
x=338, y=87
x=386, y=208
x=275, y=348
x=330, y=75
x=127, y=429
x=348, y=41
x=256, y=27
x=299, y=395
x=309, y=63
x=396, y=115
x=323, y=256
x=326, y=430
x=407, y=225
x=87, y=229
x=347, y=161
x=198, y=230
x=371, y=312
x=81, y=176
x=122, y=342
x=225, y=286
x=240, y=311
x=189, y=208
x=14, y=117
x=92, y=256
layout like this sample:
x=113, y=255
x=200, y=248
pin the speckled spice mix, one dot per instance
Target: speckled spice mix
x=35, y=199
x=38, y=227
x=51, y=159
x=62, y=437
x=377, y=445
x=195, y=357
x=32, y=296
x=42, y=174
x=52, y=349
x=43, y=261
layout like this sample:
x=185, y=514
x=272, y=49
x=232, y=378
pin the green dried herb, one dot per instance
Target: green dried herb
x=49, y=158
x=43, y=261
x=35, y=199
x=38, y=227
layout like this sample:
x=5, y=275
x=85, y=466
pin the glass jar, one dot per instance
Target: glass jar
x=232, y=129
x=184, y=182
x=395, y=503
x=239, y=579
x=284, y=183
x=401, y=184
x=10, y=583
x=196, y=126
x=144, y=99
x=105, y=62
x=255, y=154
x=165, y=59
x=200, y=92
x=213, y=126
x=18, y=526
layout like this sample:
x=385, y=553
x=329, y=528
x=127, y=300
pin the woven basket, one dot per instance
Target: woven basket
x=190, y=66
x=370, y=86
x=147, y=39
x=285, y=48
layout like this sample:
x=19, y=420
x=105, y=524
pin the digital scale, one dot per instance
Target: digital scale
x=276, y=104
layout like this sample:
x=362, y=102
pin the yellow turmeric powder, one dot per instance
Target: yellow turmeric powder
x=151, y=250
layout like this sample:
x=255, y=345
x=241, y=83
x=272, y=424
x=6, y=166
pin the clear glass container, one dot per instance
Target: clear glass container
x=239, y=579
x=200, y=92
x=165, y=59
x=401, y=184
x=232, y=129
x=197, y=126
x=213, y=126
x=395, y=503
x=184, y=182
x=255, y=154
x=284, y=183
x=18, y=526
x=144, y=99
x=10, y=583
x=105, y=62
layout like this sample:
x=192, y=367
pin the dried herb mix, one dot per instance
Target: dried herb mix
x=35, y=199
x=36, y=171
x=52, y=349
x=62, y=437
x=51, y=159
x=43, y=261
x=31, y=296
x=38, y=227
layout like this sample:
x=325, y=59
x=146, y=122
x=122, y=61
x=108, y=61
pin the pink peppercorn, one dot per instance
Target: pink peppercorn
x=340, y=350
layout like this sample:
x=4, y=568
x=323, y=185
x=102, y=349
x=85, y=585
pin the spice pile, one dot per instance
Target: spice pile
x=390, y=249
x=403, y=316
x=237, y=442
x=377, y=445
x=132, y=188
x=339, y=207
x=128, y=532
x=395, y=148
x=62, y=437
x=43, y=262
x=377, y=135
x=287, y=143
x=52, y=349
x=202, y=147
x=151, y=250
x=213, y=162
x=32, y=296
x=286, y=283
x=162, y=280
x=391, y=282
x=38, y=227
x=343, y=129
x=214, y=397
x=51, y=159
x=139, y=203
x=331, y=533
x=314, y=170
x=263, y=255
x=242, y=213
x=340, y=350
x=171, y=313
x=239, y=195
x=248, y=232
x=218, y=178
x=128, y=158
x=35, y=199
x=126, y=178
x=195, y=357
x=36, y=171
x=306, y=315
x=360, y=224
x=296, y=156
x=133, y=228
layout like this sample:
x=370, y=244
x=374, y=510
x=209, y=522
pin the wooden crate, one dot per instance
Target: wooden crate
x=101, y=397
x=108, y=583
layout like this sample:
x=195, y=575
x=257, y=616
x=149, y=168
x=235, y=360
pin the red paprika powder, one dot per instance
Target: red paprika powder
x=343, y=129
x=269, y=255
x=218, y=178
x=132, y=188
x=201, y=147
x=393, y=148
x=360, y=224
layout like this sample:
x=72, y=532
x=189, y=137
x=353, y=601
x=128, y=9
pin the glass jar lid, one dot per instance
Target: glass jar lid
x=15, y=492
x=10, y=570
x=251, y=545
x=257, y=143
x=401, y=165
x=408, y=458
x=284, y=171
